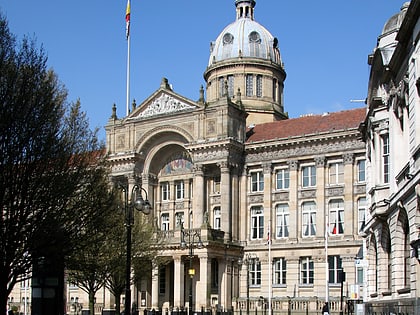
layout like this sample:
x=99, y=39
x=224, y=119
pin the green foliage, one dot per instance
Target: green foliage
x=50, y=163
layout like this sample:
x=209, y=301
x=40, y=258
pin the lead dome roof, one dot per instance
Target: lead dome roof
x=245, y=38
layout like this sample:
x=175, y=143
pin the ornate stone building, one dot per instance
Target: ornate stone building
x=230, y=171
x=392, y=134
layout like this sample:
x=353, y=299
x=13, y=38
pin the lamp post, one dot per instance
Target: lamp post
x=190, y=235
x=143, y=205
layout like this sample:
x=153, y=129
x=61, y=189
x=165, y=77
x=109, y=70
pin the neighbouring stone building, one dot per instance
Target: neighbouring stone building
x=391, y=131
x=261, y=212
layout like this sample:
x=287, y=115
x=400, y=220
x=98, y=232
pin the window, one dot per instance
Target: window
x=361, y=170
x=179, y=219
x=257, y=181
x=221, y=87
x=214, y=273
x=179, y=187
x=259, y=85
x=309, y=176
x=231, y=88
x=385, y=158
x=217, y=218
x=216, y=185
x=279, y=271
x=282, y=179
x=336, y=171
x=282, y=221
x=162, y=280
x=275, y=90
x=165, y=189
x=164, y=222
x=255, y=272
x=309, y=218
x=249, y=85
x=257, y=222
x=336, y=217
x=306, y=270
x=361, y=207
x=335, y=268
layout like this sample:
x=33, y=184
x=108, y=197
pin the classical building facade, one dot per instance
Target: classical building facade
x=261, y=212
x=252, y=194
x=392, y=134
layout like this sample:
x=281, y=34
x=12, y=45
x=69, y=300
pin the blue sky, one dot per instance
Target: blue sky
x=324, y=46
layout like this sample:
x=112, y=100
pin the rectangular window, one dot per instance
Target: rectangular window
x=335, y=269
x=164, y=222
x=179, y=219
x=165, y=189
x=282, y=221
x=309, y=218
x=221, y=87
x=385, y=158
x=361, y=171
x=309, y=176
x=257, y=181
x=282, y=179
x=217, y=216
x=216, y=185
x=361, y=207
x=306, y=270
x=162, y=280
x=279, y=271
x=336, y=217
x=259, y=85
x=180, y=192
x=257, y=223
x=231, y=87
x=275, y=90
x=336, y=172
x=249, y=85
x=255, y=273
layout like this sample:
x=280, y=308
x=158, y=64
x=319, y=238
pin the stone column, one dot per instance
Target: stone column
x=321, y=216
x=350, y=215
x=178, y=282
x=199, y=195
x=235, y=205
x=155, y=288
x=226, y=209
x=295, y=226
x=268, y=217
x=204, y=284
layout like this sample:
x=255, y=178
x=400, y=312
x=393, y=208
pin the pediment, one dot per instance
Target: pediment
x=163, y=103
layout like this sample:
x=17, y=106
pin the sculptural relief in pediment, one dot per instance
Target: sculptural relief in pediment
x=164, y=104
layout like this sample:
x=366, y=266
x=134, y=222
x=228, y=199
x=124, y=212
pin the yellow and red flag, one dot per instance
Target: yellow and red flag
x=127, y=20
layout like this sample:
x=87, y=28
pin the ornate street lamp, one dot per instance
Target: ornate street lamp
x=191, y=235
x=249, y=260
x=143, y=205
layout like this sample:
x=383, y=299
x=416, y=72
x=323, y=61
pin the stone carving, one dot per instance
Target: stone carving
x=163, y=105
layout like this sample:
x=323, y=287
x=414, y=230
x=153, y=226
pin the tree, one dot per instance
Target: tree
x=46, y=157
x=145, y=247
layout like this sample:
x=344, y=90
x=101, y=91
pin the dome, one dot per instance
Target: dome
x=245, y=38
x=394, y=23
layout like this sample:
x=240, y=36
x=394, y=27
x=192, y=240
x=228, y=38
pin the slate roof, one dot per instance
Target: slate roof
x=307, y=125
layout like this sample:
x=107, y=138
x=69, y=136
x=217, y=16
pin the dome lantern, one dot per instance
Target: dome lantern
x=245, y=9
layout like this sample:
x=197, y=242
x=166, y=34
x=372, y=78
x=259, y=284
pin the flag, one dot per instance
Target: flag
x=127, y=20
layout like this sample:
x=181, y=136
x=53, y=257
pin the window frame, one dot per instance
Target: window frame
x=165, y=188
x=217, y=218
x=335, y=266
x=282, y=220
x=282, y=179
x=309, y=210
x=255, y=273
x=165, y=222
x=361, y=213
x=179, y=190
x=361, y=171
x=336, y=173
x=308, y=176
x=257, y=181
x=257, y=222
x=279, y=271
x=336, y=217
x=306, y=270
x=385, y=154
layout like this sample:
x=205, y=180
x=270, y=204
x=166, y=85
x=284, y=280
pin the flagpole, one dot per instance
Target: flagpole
x=128, y=76
x=326, y=259
x=127, y=30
